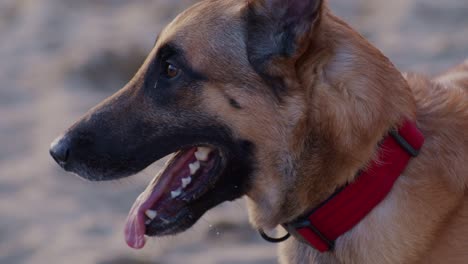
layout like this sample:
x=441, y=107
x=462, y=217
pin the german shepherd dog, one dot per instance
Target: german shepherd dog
x=281, y=102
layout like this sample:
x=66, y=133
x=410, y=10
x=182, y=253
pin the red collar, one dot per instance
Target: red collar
x=348, y=206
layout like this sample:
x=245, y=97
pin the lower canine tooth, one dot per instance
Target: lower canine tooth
x=202, y=153
x=175, y=194
x=194, y=167
x=151, y=214
x=186, y=182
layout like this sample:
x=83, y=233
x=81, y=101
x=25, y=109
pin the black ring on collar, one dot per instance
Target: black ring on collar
x=271, y=239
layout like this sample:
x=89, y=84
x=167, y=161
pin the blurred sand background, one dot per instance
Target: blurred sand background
x=58, y=58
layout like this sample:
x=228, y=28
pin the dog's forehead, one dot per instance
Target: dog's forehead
x=210, y=32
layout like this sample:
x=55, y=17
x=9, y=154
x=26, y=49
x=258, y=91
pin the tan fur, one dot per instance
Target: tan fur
x=458, y=76
x=343, y=96
x=424, y=218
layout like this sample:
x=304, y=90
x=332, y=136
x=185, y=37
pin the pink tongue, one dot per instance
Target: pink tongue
x=135, y=226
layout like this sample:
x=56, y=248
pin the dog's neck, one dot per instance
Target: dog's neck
x=355, y=97
x=321, y=227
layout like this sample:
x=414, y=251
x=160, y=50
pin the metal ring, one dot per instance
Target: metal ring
x=271, y=239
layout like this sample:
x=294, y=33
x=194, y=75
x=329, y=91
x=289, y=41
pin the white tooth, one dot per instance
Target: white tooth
x=148, y=222
x=202, y=153
x=186, y=182
x=194, y=167
x=151, y=214
x=174, y=194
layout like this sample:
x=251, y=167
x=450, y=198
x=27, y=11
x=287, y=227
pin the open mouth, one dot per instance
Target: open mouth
x=163, y=208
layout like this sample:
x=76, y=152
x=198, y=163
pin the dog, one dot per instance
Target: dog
x=283, y=103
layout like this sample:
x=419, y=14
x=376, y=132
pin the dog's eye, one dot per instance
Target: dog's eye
x=170, y=70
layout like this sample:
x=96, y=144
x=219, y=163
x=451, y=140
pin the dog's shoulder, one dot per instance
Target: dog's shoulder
x=456, y=76
x=442, y=114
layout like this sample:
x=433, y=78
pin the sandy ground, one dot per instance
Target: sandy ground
x=60, y=57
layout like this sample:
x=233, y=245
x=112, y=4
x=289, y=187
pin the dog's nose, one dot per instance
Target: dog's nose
x=60, y=150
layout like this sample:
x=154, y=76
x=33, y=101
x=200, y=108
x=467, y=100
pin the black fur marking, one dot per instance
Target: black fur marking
x=163, y=90
x=234, y=104
x=261, y=52
x=105, y=147
x=274, y=34
x=172, y=52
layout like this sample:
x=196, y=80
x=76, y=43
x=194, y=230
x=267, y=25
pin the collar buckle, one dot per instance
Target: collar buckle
x=308, y=233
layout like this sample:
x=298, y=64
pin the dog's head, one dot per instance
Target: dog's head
x=244, y=93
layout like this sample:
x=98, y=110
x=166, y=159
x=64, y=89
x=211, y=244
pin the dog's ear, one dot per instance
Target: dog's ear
x=279, y=29
x=276, y=27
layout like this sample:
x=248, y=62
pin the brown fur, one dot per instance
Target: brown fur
x=424, y=219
